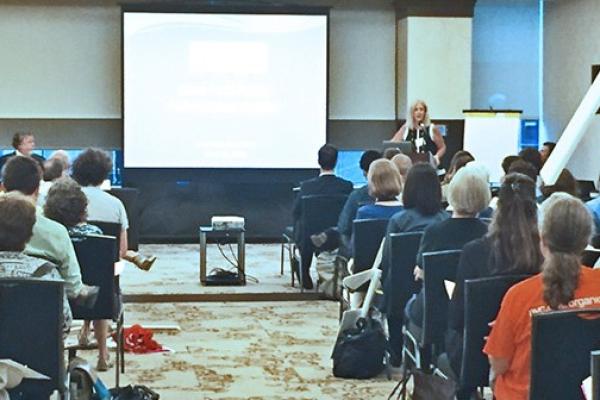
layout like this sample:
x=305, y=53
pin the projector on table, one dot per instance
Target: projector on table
x=225, y=223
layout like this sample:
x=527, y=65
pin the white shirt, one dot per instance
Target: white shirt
x=105, y=207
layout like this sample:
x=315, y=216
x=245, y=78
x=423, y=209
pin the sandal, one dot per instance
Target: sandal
x=104, y=364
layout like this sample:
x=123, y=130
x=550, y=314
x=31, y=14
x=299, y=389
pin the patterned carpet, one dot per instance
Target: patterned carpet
x=243, y=351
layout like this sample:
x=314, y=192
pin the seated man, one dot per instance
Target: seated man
x=23, y=143
x=50, y=239
x=325, y=184
x=17, y=218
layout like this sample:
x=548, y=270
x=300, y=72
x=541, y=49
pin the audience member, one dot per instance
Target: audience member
x=404, y=164
x=90, y=169
x=546, y=150
x=24, y=144
x=594, y=207
x=566, y=183
x=459, y=160
x=421, y=198
x=66, y=204
x=468, y=194
x=564, y=283
x=391, y=152
x=326, y=183
x=50, y=240
x=54, y=168
x=17, y=218
x=507, y=162
x=533, y=157
x=526, y=168
x=385, y=185
x=511, y=246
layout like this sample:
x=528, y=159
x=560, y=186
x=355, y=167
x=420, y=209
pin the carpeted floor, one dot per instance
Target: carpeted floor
x=243, y=351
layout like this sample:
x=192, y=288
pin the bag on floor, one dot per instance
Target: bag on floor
x=137, y=392
x=425, y=387
x=84, y=383
x=359, y=352
x=331, y=270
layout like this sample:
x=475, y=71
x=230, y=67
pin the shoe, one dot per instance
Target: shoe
x=319, y=239
x=104, y=364
x=141, y=262
x=83, y=338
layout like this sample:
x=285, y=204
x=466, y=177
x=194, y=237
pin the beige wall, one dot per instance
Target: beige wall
x=571, y=46
x=438, y=64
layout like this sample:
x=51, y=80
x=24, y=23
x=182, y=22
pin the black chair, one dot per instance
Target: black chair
x=287, y=243
x=31, y=333
x=96, y=257
x=595, y=375
x=590, y=256
x=561, y=342
x=368, y=234
x=483, y=297
x=110, y=229
x=399, y=283
x=319, y=212
x=438, y=266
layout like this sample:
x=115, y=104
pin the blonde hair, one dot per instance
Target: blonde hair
x=566, y=229
x=468, y=191
x=384, y=180
x=409, y=116
x=403, y=163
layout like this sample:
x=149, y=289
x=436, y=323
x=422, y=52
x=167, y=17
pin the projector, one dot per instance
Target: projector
x=225, y=223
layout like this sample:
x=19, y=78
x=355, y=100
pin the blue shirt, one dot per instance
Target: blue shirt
x=594, y=206
x=377, y=211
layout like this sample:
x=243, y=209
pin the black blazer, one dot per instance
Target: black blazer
x=324, y=184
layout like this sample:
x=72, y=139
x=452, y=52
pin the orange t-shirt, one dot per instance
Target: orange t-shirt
x=510, y=337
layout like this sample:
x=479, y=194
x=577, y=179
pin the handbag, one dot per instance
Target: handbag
x=137, y=392
x=426, y=387
x=359, y=351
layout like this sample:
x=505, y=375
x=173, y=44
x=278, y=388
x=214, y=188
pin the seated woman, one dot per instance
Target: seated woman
x=422, y=207
x=468, y=195
x=566, y=228
x=384, y=186
x=89, y=170
x=17, y=216
x=511, y=246
x=66, y=204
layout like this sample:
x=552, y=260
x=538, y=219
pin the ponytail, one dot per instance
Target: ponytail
x=560, y=275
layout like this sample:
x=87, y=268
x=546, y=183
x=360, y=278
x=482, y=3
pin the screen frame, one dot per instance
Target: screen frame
x=234, y=8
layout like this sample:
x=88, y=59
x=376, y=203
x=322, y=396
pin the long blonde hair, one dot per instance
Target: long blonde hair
x=409, y=117
x=566, y=228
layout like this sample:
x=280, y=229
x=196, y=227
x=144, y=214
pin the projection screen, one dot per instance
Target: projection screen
x=205, y=90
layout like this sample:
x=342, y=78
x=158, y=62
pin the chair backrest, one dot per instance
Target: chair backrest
x=31, y=324
x=561, y=342
x=438, y=266
x=368, y=234
x=95, y=254
x=483, y=297
x=400, y=283
x=590, y=256
x=110, y=229
x=320, y=212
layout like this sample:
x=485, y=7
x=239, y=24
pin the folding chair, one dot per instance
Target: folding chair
x=368, y=234
x=319, y=212
x=483, y=297
x=427, y=341
x=399, y=283
x=561, y=342
x=31, y=333
x=96, y=257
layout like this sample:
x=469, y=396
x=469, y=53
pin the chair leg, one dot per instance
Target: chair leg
x=281, y=258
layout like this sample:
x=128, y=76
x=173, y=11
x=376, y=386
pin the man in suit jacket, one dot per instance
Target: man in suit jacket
x=326, y=183
x=23, y=143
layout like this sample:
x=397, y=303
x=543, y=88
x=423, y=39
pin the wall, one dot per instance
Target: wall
x=571, y=47
x=505, y=55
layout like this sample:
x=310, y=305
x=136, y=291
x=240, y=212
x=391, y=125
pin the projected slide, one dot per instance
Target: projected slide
x=224, y=90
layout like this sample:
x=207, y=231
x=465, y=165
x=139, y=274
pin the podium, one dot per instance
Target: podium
x=491, y=135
